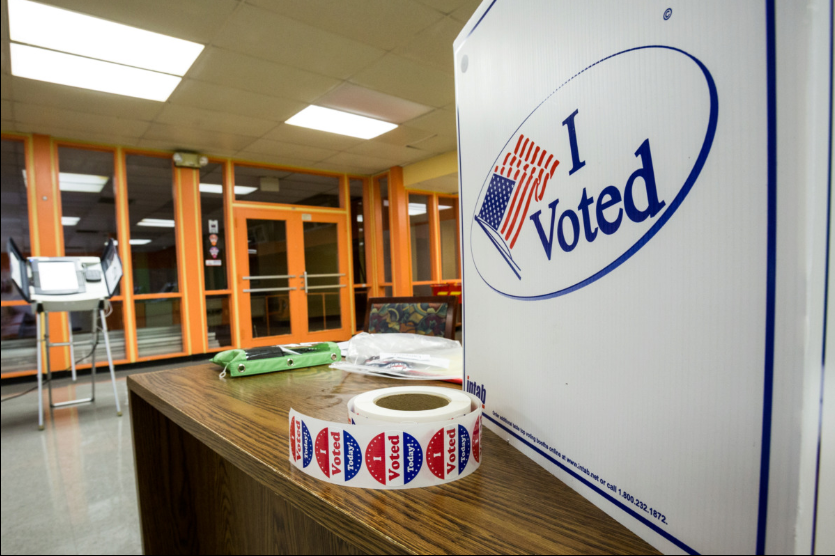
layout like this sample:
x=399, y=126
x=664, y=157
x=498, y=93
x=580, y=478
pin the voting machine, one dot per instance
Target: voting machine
x=66, y=285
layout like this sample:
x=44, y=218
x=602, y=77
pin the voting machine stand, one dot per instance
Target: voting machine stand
x=68, y=285
x=42, y=316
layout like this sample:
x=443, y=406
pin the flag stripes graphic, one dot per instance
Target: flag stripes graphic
x=522, y=177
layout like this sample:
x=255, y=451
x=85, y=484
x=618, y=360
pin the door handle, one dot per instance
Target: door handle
x=326, y=287
x=258, y=290
x=273, y=277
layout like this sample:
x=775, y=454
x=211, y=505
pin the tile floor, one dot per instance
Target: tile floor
x=70, y=488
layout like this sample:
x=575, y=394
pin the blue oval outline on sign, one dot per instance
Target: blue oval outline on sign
x=667, y=214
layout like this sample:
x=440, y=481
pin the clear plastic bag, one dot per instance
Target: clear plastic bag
x=404, y=356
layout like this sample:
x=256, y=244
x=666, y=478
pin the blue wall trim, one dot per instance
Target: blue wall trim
x=771, y=269
x=825, y=288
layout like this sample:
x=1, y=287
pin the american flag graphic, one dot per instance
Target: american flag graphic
x=522, y=177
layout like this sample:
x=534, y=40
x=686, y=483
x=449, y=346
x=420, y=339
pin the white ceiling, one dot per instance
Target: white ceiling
x=264, y=61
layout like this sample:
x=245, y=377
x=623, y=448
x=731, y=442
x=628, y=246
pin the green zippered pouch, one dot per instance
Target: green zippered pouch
x=255, y=361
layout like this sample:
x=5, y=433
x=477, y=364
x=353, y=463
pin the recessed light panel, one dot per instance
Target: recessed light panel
x=156, y=223
x=416, y=209
x=86, y=73
x=133, y=242
x=80, y=183
x=66, y=31
x=69, y=220
x=334, y=121
x=84, y=183
x=374, y=104
x=218, y=189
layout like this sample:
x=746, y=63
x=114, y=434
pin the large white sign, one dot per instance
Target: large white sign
x=618, y=207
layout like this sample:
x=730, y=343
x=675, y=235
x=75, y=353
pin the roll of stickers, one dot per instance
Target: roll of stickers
x=395, y=438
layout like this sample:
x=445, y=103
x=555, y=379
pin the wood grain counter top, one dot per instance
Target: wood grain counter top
x=510, y=505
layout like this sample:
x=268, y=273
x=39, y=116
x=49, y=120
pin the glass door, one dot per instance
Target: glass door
x=325, y=278
x=292, y=277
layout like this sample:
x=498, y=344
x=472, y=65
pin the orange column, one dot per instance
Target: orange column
x=50, y=233
x=232, y=263
x=189, y=238
x=434, y=236
x=120, y=193
x=401, y=256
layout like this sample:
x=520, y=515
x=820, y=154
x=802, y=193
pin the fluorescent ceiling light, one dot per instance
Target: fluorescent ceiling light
x=156, y=223
x=416, y=209
x=359, y=218
x=335, y=121
x=69, y=220
x=86, y=73
x=81, y=183
x=218, y=189
x=133, y=242
x=84, y=183
x=75, y=33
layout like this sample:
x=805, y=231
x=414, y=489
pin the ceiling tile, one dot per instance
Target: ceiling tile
x=232, y=69
x=270, y=36
x=58, y=132
x=403, y=135
x=7, y=125
x=303, y=152
x=444, y=6
x=6, y=110
x=248, y=156
x=439, y=121
x=188, y=116
x=442, y=184
x=466, y=11
x=368, y=164
x=374, y=104
x=403, y=155
x=28, y=115
x=193, y=20
x=4, y=25
x=182, y=138
x=158, y=145
x=5, y=58
x=287, y=133
x=236, y=101
x=433, y=46
x=439, y=144
x=384, y=24
x=6, y=86
x=83, y=100
x=346, y=168
x=404, y=78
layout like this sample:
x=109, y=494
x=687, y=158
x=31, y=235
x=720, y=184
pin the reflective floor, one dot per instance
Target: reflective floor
x=70, y=488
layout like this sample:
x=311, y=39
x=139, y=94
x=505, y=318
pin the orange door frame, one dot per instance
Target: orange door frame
x=295, y=267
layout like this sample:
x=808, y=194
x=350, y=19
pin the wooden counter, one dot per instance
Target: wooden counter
x=213, y=476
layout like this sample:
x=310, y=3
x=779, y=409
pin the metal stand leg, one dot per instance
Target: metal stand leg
x=72, y=350
x=39, y=344
x=46, y=355
x=93, y=368
x=49, y=369
x=110, y=360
